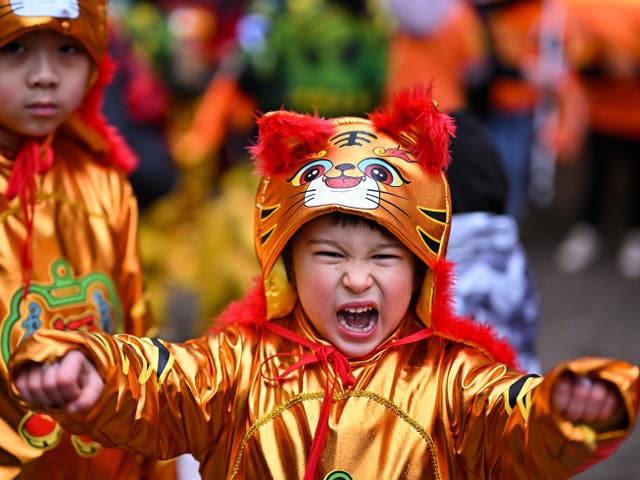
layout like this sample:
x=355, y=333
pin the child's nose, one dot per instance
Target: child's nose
x=357, y=277
x=43, y=72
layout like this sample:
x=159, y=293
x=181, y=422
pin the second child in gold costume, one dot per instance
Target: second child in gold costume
x=69, y=257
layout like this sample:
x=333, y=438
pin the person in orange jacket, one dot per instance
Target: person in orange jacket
x=494, y=282
x=606, y=52
x=444, y=44
x=536, y=110
x=70, y=258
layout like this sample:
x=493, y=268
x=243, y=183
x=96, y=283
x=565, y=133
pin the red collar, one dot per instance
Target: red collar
x=326, y=354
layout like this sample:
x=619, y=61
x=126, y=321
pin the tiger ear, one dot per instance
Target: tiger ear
x=284, y=137
x=412, y=116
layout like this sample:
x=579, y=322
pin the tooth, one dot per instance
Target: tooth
x=359, y=309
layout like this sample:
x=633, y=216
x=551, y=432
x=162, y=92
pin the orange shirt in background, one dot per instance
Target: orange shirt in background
x=445, y=56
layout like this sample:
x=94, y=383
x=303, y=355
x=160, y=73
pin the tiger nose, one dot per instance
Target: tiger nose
x=343, y=167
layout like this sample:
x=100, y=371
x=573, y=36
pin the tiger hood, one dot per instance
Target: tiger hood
x=389, y=167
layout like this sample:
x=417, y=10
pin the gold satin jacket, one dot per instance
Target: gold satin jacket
x=85, y=276
x=430, y=409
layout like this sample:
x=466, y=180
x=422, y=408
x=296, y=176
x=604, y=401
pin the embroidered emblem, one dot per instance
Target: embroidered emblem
x=39, y=431
x=338, y=475
x=42, y=432
x=351, y=185
x=85, y=447
x=89, y=303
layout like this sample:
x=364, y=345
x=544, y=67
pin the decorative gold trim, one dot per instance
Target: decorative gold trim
x=46, y=196
x=303, y=397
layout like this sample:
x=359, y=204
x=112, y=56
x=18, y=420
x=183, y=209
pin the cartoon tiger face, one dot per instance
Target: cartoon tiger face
x=356, y=185
x=362, y=172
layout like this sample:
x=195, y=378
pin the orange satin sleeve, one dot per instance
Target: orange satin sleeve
x=436, y=409
x=581, y=445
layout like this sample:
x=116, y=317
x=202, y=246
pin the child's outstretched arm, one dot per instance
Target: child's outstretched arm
x=578, y=414
x=154, y=397
x=72, y=383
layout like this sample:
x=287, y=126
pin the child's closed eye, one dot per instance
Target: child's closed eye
x=12, y=48
x=71, y=49
x=385, y=256
x=327, y=254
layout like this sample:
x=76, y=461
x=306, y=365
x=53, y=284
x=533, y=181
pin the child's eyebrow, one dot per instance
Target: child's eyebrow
x=322, y=241
x=382, y=245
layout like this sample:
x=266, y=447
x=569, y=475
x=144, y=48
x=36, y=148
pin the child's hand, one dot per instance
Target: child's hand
x=72, y=383
x=583, y=400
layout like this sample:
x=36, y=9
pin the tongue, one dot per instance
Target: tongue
x=357, y=320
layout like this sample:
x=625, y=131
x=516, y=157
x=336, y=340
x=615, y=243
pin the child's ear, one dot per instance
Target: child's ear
x=412, y=117
x=285, y=137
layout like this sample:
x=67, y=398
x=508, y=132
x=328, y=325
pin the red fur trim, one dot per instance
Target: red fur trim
x=284, y=137
x=120, y=154
x=251, y=311
x=464, y=329
x=413, y=111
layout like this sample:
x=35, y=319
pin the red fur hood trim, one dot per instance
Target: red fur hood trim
x=251, y=313
x=119, y=153
x=464, y=329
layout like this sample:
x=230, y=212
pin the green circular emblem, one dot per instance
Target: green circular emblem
x=338, y=475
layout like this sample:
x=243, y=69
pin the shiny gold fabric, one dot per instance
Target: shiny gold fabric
x=85, y=276
x=434, y=409
x=84, y=20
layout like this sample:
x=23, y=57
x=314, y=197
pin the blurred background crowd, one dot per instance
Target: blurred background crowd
x=556, y=84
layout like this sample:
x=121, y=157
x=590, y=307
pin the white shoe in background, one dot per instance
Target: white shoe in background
x=579, y=250
x=629, y=255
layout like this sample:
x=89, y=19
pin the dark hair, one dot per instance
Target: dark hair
x=350, y=220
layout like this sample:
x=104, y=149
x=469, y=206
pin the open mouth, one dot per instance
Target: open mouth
x=360, y=320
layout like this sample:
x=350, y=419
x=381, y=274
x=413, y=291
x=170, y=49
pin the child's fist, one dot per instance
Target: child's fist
x=72, y=383
x=585, y=400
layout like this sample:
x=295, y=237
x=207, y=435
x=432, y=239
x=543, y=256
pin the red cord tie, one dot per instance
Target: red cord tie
x=33, y=158
x=326, y=354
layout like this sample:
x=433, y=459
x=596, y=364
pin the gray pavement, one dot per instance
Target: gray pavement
x=596, y=312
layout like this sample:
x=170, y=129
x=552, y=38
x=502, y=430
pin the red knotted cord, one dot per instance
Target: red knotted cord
x=33, y=158
x=325, y=354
